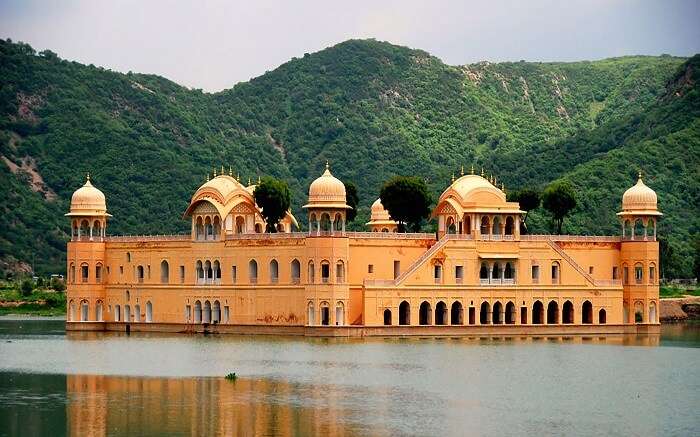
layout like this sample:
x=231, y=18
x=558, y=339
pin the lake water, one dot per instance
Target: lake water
x=147, y=384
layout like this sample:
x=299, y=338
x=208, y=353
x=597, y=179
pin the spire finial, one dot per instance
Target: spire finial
x=207, y=176
x=258, y=179
x=248, y=180
x=461, y=171
x=472, y=168
x=482, y=172
x=503, y=187
x=453, y=177
x=222, y=170
x=327, y=166
x=88, y=176
x=230, y=171
x=640, y=174
x=238, y=177
x=214, y=171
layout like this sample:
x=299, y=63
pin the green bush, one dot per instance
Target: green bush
x=26, y=287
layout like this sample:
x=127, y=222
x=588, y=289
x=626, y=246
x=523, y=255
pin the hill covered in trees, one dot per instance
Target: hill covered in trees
x=374, y=110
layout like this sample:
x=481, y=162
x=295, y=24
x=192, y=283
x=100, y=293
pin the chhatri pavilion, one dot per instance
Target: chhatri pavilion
x=476, y=274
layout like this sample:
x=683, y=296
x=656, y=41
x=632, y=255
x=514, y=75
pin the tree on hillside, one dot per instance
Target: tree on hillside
x=407, y=200
x=273, y=196
x=559, y=199
x=528, y=199
x=352, y=199
x=696, y=265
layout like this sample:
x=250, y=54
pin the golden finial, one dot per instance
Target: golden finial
x=258, y=179
x=503, y=187
x=453, y=177
x=230, y=171
x=327, y=166
x=461, y=171
x=207, y=176
x=214, y=171
x=495, y=181
x=88, y=176
x=640, y=174
x=248, y=180
x=238, y=177
x=472, y=168
x=222, y=170
x=482, y=172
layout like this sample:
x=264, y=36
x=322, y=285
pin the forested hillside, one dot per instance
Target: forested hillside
x=372, y=109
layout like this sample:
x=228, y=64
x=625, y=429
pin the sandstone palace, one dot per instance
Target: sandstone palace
x=477, y=275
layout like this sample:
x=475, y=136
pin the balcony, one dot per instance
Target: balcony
x=497, y=281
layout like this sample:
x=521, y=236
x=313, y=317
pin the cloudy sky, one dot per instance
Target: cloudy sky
x=212, y=45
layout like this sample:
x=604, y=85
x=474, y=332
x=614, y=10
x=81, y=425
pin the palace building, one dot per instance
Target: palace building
x=477, y=274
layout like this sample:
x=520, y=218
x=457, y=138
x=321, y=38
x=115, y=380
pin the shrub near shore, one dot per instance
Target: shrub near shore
x=26, y=298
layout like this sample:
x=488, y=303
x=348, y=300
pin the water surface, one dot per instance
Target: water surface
x=159, y=384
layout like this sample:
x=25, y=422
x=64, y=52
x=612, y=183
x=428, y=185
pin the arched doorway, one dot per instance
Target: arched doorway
x=457, y=313
x=510, y=313
x=497, y=313
x=339, y=313
x=568, y=312
x=404, y=313
x=127, y=313
x=325, y=314
x=149, y=311
x=587, y=312
x=310, y=314
x=602, y=317
x=198, y=312
x=537, y=313
x=84, y=311
x=485, y=313
x=638, y=312
x=387, y=316
x=206, y=315
x=216, y=312
x=441, y=313
x=425, y=314
x=652, y=312
x=98, y=311
x=552, y=313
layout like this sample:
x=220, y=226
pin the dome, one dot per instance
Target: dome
x=327, y=191
x=640, y=199
x=468, y=184
x=88, y=200
x=379, y=215
x=223, y=184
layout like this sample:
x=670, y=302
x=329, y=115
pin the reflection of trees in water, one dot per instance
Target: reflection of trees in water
x=100, y=405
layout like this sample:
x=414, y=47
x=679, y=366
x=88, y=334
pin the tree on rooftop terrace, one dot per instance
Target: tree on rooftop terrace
x=274, y=197
x=559, y=199
x=528, y=199
x=407, y=200
x=352, y=199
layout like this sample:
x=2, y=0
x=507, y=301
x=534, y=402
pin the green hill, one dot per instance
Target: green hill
x=372, y=109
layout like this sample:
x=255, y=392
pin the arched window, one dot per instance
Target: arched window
x=325, y=222
x=208, y=229
x=451, y=228
x=98, y=273
x=71, y=274
x=652, y=273
x=441, y=314
x=208, y=272
x=568, y=312
x=552, y=313
x=339, y=313
x=639, y=229
x=325, y=272
x=325, y=314
x=508, y=272
x=467, y=220
x=537, y=313
x=216, y=272
x=652, y=312
x=128, y=257
x=198, y=312
x=200, y=272
x=510, y=313
x=206, y=312
x=484, y=271
x=510, y=224
x=457, y=313
x=84, y=311
x=253, y=271
x=137, y=313
x=296, y=271
x=485, y=227
x=425, y=314
x=127, y=313
x=139, y=274
x=310, y=314
x=496, y=228
x=98, y=311
x=117, y=313
x=497, y=313
x=274, y=271
x=625, y=274
x=97, y=229
x=258, y=228
x=638, y=312
x=149, y=312
x=387, y=316
x=199, y=229
x=216, y=224
x=84, y=230
x=496, y=271
x=602, y=317
x=587, y=312
x=338, y=222
x=638, y=273
x=216, y=312
x=556, y=272
x=340, y=272
x=84, y=272
x=311, y=273
x=404, y=313
x=240, y=225
x=485, y=313
x=164, y=272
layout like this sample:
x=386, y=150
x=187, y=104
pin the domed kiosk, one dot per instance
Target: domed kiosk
x=380, y=220
x=88, y=213
x=639, y=212
x=327, y=205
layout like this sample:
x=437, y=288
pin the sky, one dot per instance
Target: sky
x=214, y=44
